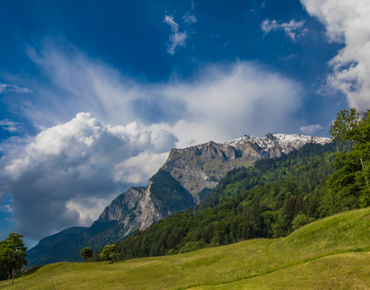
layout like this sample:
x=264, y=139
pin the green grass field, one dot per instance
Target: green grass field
x=329, y=254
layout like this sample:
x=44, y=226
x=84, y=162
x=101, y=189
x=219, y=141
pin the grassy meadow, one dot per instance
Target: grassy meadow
x=331, y=253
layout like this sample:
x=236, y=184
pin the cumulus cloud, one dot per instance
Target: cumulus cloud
x=347, y=22
x=176, y=38
x=68, y=174
x=310, y=129
x=292, y=28
x=81, y=163
x=139, y=167
x=13, y=88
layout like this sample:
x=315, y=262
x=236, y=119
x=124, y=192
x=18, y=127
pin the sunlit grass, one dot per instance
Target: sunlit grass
x=326, y=242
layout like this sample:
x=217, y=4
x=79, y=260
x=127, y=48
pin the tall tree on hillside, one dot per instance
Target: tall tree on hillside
x=348, y=187
x=12, y=255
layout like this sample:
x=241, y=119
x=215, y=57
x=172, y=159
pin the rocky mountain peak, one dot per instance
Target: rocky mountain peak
x=270, y=136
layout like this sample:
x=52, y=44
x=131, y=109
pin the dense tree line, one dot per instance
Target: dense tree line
x=268, y=170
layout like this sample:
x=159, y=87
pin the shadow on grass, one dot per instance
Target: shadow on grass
x=25, y=274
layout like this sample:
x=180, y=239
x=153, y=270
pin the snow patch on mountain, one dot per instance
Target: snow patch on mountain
x=284, y=141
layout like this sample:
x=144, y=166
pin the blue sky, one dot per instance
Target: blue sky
x=95, y=93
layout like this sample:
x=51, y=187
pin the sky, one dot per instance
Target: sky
x=94, y=94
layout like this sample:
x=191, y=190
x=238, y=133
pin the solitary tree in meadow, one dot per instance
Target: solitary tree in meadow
x=110, y=252
x=86, y=253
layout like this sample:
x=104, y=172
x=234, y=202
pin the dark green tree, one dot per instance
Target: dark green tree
x=208, y=234
x=110, y=252
x=348, y=187
x=86, y=253
x=12, y=255
x=247, y=232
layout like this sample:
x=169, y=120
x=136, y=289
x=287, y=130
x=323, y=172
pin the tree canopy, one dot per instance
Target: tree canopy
x=348, y=187
x=110, y=252
x=86, y=253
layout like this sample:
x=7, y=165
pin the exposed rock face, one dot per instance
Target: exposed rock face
x=139, y=207
x=181, y=183
x=123, y=205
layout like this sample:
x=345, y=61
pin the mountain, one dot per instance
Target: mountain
x=268, y=200
x=37, y=253
x=186, y=179
x=202, y=166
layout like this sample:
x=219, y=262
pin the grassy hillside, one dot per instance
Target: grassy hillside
x=329, y=253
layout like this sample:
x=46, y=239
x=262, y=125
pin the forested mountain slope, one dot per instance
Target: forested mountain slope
x=268, y=200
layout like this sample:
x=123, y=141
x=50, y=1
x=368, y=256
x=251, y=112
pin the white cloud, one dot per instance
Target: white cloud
x=176, y=38
x=192, y=4
x=10, y=126
x=140, y=167
x=189, y=19
x=86, y=209
x=13, y=88
x=292, y=28
x=311, y=129
x=211, y=104
x=347, y=22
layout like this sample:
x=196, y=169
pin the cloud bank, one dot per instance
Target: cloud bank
x=347, y=22
x=70, y=172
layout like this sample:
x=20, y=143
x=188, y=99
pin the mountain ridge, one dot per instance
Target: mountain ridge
x=185, y=180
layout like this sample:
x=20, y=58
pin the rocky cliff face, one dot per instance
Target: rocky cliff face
x=139, y=207
x=201, y=166
x=182, y=182
x=123, y=205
